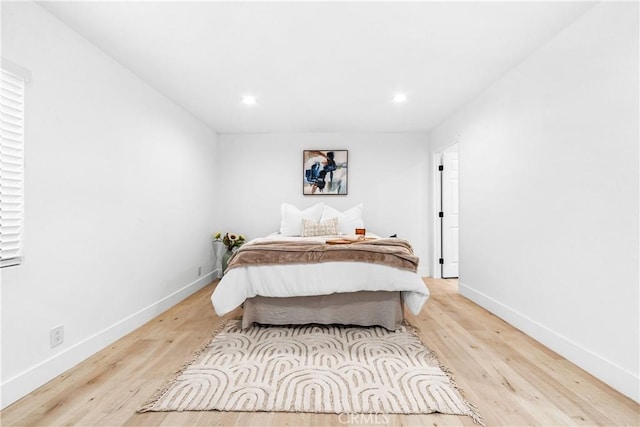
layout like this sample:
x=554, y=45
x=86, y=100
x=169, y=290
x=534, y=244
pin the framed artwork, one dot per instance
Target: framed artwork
x=324, y=172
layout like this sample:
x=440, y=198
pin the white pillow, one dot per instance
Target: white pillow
x=291, y=218
x=348, y=220
x=311, y=228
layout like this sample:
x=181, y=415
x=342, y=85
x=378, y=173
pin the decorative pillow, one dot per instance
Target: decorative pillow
x=312, y=228
x=348, y=220
x=291, y=218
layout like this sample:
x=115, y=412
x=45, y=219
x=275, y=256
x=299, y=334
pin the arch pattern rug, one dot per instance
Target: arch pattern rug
x=314, y=368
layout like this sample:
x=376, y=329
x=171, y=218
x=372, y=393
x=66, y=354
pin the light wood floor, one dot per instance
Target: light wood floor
x=512, y=379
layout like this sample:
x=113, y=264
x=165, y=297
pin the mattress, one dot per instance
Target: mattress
x=279, y=282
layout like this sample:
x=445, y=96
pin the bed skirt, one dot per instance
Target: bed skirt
x=365, y=308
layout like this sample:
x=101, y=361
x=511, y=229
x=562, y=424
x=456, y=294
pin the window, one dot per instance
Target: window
x=12, y=86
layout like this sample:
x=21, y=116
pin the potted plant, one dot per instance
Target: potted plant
x=231, y=242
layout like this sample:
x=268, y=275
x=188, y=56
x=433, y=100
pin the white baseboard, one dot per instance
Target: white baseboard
x=24, y=383
x=617, y=377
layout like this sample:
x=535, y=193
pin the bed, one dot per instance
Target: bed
x=332, y=278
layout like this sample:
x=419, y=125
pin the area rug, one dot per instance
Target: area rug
x=314, y=368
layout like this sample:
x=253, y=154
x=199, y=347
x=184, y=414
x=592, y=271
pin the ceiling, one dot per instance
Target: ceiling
x=318, y=66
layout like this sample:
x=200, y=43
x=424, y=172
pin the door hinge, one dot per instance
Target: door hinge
x=441, y=214
x=441, y=260
x=441, y=167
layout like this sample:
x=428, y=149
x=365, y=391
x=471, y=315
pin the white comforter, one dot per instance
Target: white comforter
x=324, y=278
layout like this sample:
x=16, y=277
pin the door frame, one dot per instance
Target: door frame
x=436, y=160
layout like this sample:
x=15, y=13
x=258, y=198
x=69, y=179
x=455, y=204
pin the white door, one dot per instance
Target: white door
x=449, y=214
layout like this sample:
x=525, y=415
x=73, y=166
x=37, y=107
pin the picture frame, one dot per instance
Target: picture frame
x=325, y=172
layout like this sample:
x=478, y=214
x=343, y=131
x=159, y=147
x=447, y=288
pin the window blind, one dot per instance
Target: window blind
x=12, y=89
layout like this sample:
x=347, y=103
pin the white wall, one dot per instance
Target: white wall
x=119, y=202
x=549, y=195
x=388, y=173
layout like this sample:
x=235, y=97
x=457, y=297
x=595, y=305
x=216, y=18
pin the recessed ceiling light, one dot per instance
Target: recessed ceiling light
x=249, y=100
x=399, y=97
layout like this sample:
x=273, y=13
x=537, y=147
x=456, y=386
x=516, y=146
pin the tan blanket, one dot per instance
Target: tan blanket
x=392, y=252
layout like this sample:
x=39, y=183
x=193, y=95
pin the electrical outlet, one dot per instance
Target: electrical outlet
x=57, y=336
x=199, y=271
